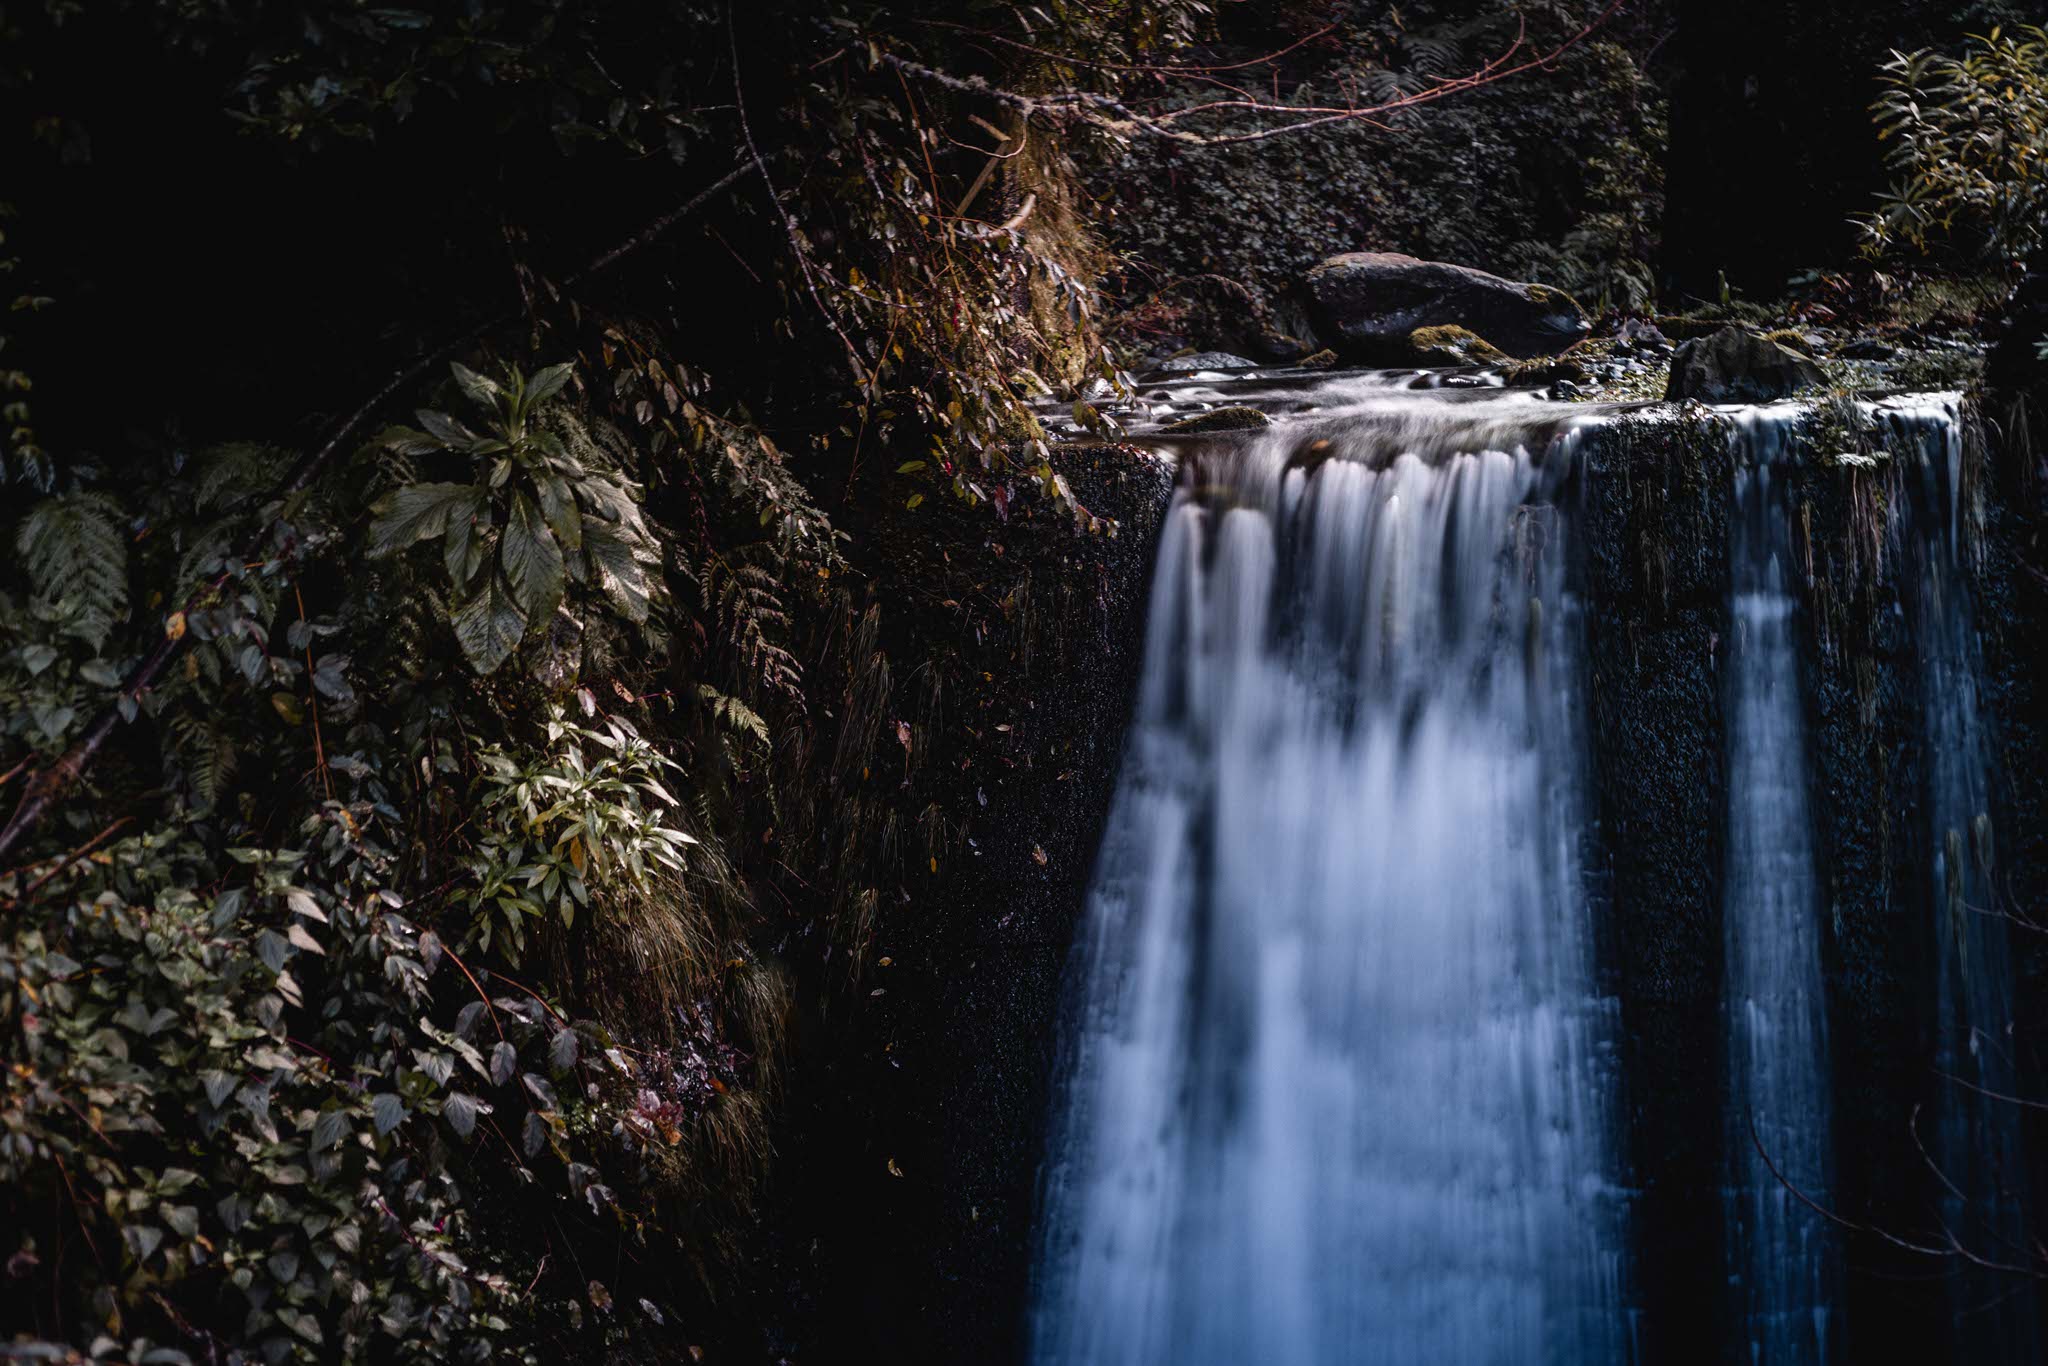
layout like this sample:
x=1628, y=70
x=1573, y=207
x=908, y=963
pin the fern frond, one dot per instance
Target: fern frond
x=734, y=716
x=744, y=600
x=230, y=473
x=76, y=556
x=203, y=753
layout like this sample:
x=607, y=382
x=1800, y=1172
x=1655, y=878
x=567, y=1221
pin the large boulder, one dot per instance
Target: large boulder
x=1735, y=366
x=1367, y=304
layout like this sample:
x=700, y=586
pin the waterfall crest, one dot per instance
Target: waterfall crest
x=1337, y=1088
x=1340, y=1078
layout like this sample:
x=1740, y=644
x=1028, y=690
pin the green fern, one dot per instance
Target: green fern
x=76, y=556
x=733, y=716
x=203, y=754
x=744, y=599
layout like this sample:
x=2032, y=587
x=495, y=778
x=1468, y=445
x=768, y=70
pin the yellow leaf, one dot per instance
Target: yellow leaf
x=576, y=854
x=174, y=626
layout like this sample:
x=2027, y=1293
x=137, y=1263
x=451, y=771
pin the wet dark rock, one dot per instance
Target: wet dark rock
x=1641, y=334
x=1207, y=360
x=1868, y=348
x=1232, y=419
x=1282, y=348
x=1368, y=304
x=1735, y=366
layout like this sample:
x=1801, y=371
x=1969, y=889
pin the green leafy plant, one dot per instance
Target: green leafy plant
x=1968, y=139
x=534, y=518
x=589, y=810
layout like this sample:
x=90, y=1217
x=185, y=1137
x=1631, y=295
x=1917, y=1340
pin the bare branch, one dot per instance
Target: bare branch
x=1114, y=115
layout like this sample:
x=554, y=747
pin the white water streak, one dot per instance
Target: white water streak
x=1782, y=1254
x=1336, y=1092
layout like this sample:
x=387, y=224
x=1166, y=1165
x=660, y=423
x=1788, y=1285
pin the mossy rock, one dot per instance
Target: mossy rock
x=1792, y=340
x=1232, y=419
x=1453, y=345
x=1539, y=374
x=1321, y=360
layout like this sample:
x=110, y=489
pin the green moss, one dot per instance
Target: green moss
x=1535, y=374
x=1791, y=340
x=1452, y=345
x=1321, y=360
x=1233, y=419
x=1553, y=298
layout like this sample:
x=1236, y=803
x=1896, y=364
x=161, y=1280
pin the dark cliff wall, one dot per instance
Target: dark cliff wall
x=1654, y=542
x=902, y=1227
x=1655, y=495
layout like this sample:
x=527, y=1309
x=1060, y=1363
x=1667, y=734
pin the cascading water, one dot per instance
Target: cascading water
x=1338, y=1087
x=1339, y=1083
x=1782, y=1252
x=1976, y=1144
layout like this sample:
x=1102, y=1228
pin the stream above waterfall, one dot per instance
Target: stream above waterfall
x=1357, y=1064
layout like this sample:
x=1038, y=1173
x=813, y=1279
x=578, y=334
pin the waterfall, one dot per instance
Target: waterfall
x=1781, y=1251
x=1337, y=1086
x=1976, y=1143
x=1339, y=1079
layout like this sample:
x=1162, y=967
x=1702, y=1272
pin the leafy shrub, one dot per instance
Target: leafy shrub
x=1967, y=135
x=552, y=824
x=534, y=520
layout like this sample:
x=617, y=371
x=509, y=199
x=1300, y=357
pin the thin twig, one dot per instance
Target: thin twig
x=1114, y=115
x=481, y=995
x=68, y=859
x=789, y=227
x=1954, y=1248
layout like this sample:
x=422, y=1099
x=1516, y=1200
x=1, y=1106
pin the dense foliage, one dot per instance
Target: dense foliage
x=406, y=816
x=510, y=570
x=1967, y=139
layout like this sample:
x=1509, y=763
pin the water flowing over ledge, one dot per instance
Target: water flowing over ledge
x=1343, y=1077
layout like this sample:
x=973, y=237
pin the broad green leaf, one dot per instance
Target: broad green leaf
x=461, y=1110
x=620, y=575
x=329, y=1129
x=219, y=1085
x=489, y=625
x=531, y=560
x=466, y=547
x=558, y=507
x=387, y=1112
x=547, y=383
x=483, y=392
x=445, y=428
x=418, y=511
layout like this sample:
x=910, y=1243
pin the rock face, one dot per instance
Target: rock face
x=1207, y=360
x=1367, y=305
x=1734, y=366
